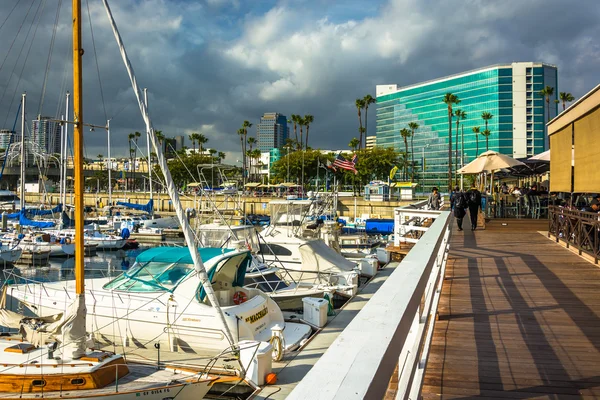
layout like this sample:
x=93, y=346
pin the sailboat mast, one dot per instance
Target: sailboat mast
x=78, y=146
x=148, y=145
x=109, y=165
x=22, y=194
x=66, y=155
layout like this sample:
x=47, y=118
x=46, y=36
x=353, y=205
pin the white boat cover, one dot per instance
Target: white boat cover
x=73, y=329
x=316, y=255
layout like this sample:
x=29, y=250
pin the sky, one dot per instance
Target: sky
x=211, y=64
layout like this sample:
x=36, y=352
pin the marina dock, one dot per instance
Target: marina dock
x=519, y=317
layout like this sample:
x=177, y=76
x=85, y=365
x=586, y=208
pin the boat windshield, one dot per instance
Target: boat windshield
x=151, y=277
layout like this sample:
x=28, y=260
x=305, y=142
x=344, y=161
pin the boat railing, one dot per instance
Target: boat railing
x=410, y=222
x=393, y=330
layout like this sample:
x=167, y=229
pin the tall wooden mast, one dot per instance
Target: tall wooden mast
x=78, y=146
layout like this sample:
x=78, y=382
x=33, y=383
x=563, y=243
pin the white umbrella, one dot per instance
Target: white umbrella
x=545, y=156
x=489, y=161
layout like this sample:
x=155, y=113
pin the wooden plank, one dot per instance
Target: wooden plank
x=519, y=317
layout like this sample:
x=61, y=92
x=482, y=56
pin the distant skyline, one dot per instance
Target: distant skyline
x=211, y=64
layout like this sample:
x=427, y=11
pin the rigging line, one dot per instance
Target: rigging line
x=9, y=14
x=96, y=59
x=42, y=2
x=49, y=60
x=17, y=34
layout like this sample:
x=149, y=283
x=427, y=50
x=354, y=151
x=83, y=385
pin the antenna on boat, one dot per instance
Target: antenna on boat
x=170, y=185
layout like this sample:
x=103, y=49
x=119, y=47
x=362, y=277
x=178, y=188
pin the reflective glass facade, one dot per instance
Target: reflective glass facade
x=509, y=92
x=272, y=131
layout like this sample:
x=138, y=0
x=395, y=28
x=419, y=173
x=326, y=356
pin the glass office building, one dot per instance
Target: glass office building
x=510, y=92
x=272, y=131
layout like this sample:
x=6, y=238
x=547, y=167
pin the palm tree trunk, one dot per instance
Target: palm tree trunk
x=476, y=144
x=306, y=146
x=301, y=143
x=366, y=122
x=360, y=135
x=295, y=132
x=486, y=143
x=405, y=158
x=412, y=159
x=450, y=149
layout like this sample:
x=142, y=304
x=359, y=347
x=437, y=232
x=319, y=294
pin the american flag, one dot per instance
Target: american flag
x=341, y=162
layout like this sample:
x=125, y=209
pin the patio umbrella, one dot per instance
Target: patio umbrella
x=545, y=156
x=489, y=161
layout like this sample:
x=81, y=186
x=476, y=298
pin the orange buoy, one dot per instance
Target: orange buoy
x=271, y=379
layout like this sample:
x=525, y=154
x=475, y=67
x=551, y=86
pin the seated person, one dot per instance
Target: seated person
x=516, y=191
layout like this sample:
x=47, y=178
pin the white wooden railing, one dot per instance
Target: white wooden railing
x=394, y=328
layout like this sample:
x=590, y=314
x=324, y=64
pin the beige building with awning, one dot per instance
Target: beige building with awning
x=575, y=146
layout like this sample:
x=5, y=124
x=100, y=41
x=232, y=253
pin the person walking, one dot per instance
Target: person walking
x=460, y=206
x=474, y=202
x=434, y=200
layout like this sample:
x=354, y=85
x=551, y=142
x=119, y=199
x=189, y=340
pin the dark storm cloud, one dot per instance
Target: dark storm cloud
x=210, y=65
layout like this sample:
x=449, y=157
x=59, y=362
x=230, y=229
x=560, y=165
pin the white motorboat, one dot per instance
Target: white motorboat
x=305, y=265
x=162, y=293
x=102, y=241
x=32, y=242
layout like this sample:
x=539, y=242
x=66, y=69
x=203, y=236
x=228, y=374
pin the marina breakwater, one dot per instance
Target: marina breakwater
x=350, y=207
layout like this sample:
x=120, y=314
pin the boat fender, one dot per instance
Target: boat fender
x=239, y=298
x=125, y=233
x=21, y=236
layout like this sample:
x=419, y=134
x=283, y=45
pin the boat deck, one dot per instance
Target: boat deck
x=519, y=317
x=140, y=378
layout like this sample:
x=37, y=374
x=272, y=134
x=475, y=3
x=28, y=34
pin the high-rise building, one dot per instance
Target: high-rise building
x=510, y=92
x=272, y=131
x=370, y=141
x=179, y=142
x=5, y=136
x=45, y=136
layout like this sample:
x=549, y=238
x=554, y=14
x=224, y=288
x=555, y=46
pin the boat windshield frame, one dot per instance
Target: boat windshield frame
x=131, y=281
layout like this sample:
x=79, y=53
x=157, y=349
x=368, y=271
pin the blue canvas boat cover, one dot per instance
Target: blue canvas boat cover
x=35, y=211
x=24, y=221
x=140, y=207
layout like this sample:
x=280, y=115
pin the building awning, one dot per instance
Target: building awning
x=574, y=146
x=252, y=184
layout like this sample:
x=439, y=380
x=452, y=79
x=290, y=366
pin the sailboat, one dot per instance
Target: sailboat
x=188, y=310
x=54, y=361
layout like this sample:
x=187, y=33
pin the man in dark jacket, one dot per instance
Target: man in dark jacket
x=460, y=205
x=474, y=201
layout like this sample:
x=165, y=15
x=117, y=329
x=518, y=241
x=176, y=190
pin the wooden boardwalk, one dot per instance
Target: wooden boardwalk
x=519, y=317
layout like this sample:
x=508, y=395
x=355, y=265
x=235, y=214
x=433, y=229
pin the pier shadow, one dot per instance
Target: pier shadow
x=555, y=378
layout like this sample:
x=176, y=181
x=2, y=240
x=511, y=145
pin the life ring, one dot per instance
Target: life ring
x=239, y=298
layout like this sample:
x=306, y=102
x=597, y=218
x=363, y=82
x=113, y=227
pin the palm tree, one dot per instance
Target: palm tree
x=450, y=99
x=354, y=144
x=295, y=119
x=413, y=126
x=360, y=104
x=405, y=133
x=193, y=139
x=160, y=137
x=301, y=123
x=100, y=157
x=487, y=134
x=486, y=116
x=476, y=131
x=251, y=142
x=368, y=99
x=240, y=132
x=308, y=119
x=459, y=114
x=202, y=140
x=245, y=125
x=221, y=156
x=547, y=92
x=212, y=153
x=566, y=97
